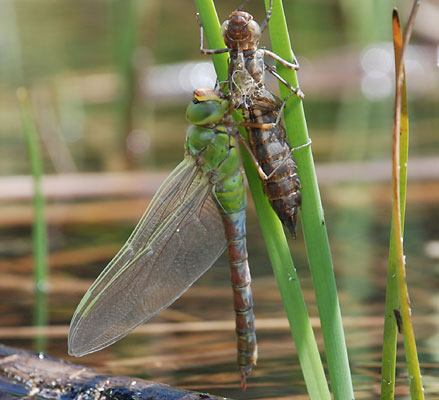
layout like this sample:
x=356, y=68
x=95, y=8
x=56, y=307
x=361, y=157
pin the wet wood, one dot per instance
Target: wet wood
x=140, y=183
x=27, y=374
x=75, y=213
x=62, y=258
x=71, y=186
x=130, y=210
x=162, y=328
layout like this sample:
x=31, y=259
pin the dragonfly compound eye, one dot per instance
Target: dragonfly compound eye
x=205, y=112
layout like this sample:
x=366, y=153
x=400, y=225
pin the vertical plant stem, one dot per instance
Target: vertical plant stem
x=39, y=232
x=313, y=223
x=388, y=367
x=388, y=361
x=413, y=369
x=275, y=240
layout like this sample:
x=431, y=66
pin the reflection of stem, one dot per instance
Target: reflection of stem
x=39, y=234
x=9, y=29
x=50, y=131
x=126, y=24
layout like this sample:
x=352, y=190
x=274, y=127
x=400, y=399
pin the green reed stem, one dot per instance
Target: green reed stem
x=39, y=231
x=313, y=222
x=388, y=367
x=397, y=298
x=275, y=240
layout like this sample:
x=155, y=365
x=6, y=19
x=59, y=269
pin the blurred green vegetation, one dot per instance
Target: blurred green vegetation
x=86, y=65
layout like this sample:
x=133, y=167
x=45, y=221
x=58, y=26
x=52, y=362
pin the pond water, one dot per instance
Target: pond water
x=192, y=344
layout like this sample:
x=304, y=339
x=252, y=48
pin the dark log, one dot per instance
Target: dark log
x=24, y=374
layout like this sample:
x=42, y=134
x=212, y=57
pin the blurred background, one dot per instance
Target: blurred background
x=109, y=82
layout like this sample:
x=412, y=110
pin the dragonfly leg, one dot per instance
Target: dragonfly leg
x=308, y=143
x=281, y=109
x=291, y=65
x=222, y=86
x=202, y=49
x=286, y=158
x=296, y=91
x=257, y=125
x=267, y=17
x=241, y=6
x=242, y=140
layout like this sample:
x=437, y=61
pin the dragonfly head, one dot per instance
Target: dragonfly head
x=240, y=31
x=207, y=107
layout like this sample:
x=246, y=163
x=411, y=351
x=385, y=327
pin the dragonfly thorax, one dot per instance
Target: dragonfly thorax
x=247, y=76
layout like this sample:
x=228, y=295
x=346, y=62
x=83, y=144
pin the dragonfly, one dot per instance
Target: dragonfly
x=262, y=110
x=196, y=214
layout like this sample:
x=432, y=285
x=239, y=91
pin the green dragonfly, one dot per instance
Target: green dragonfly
x=197, y=212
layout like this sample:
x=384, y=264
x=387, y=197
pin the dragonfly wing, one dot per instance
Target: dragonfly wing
x=179, y=237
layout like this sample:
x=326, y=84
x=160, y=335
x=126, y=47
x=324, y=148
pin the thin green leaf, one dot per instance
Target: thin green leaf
x=388, y=367
x=313, y=222
x=396, y=258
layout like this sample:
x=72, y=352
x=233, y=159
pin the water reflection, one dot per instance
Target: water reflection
x=192, y=344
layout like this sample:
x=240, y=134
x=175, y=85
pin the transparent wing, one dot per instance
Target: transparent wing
x=179, y=237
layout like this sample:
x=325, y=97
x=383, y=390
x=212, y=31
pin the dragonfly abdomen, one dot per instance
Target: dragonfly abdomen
x=234, y=224
x=230, y=193
x=273, y=153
